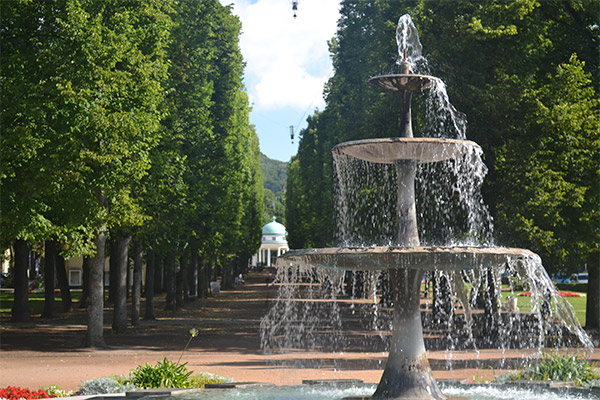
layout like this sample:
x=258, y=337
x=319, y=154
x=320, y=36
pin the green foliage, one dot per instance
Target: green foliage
x=274, y=173
x=274, y=182
x=202, y=379
x=526, y=75
x=55, y=391
x=165, y=374
x=274, y=205
x=136, y=121
x=94, y=94
x=550, y=174
x=105, y=385
x=559, y=368
x=204, y=186
x=309, y=204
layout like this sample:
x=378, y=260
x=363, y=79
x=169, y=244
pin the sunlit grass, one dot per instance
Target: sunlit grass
x=525, y=303
x=36, y=302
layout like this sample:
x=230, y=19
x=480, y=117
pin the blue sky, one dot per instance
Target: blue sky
x=287, y=64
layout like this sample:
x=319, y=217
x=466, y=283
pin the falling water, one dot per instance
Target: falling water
x=332, y=310
x=443, y=120
x=450, y=207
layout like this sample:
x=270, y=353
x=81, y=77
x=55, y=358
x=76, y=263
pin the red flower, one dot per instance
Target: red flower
x=561, y=294
x=16, y=393
x=569, y=294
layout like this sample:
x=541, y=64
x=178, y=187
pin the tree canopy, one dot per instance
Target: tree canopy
x=526, y=75
x=127, y=118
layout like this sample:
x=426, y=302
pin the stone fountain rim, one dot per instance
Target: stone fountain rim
x=390, y=82
x=408, y=257
x=391, y=149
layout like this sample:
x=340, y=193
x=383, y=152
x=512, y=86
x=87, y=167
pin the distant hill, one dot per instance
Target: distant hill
x=274, y=184
x=274, y=174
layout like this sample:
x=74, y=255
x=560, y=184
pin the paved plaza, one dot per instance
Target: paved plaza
x=40, y=354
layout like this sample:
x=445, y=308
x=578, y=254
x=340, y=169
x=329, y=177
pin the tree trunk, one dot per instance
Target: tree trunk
x=20, y=310
x=181, y=284
x=121, y=251
x=193, y=275
x=150, y=262
x=128, y=277
x=227, y=278
x=85, y=287
x=112, y=269
x=63, y=283
x=49, y=265
x=171, y=284
x=203, y=275
x=136, y=290
x=163, y=282
x=215, y=269
x=442, y=309
x=186, y=267
x=95, y=332
x=592, y=316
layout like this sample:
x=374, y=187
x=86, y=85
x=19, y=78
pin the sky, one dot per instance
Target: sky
x=287, y=64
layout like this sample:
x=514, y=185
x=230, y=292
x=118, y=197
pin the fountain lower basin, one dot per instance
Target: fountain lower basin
x=407, y=374
x=377, y=258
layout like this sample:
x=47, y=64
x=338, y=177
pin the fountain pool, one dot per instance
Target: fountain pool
x=360, y=391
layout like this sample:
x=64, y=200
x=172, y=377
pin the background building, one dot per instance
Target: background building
x=273, y=244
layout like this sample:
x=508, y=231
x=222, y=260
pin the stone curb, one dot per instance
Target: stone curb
x=150, y=393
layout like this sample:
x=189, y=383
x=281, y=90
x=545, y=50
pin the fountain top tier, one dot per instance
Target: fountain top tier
x=378, y=258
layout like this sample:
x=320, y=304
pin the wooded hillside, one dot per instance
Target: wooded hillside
x=274, y=182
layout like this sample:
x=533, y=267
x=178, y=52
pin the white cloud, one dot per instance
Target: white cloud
x=287, y=59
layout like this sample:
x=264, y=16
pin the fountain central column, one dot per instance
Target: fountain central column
x=407, y=373
x=406, y=210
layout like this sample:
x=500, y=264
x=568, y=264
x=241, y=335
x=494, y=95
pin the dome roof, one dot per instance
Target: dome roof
x=274, y=228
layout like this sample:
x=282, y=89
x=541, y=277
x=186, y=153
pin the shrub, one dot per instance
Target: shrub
x=108, y=384
x=200, y=380
x=55, y=391
x=16, y=393
x=165, y=374
x=559, y=368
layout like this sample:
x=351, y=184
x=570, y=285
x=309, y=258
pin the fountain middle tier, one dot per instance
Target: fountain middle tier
x=378, y=258
x=404, y=82
x=392, y=150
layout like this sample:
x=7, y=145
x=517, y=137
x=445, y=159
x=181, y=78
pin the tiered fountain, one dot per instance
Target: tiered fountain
x=407, y=373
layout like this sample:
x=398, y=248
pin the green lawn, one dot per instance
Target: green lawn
x=524, y=303
x=36, y=302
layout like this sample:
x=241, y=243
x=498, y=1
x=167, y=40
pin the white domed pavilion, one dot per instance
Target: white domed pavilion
x=273, y=244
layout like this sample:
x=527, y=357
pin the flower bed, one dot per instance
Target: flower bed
x=17, y=393
x=561, y=294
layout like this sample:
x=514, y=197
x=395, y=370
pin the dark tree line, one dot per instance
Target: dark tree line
x=524, y=72
x=127, y=123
